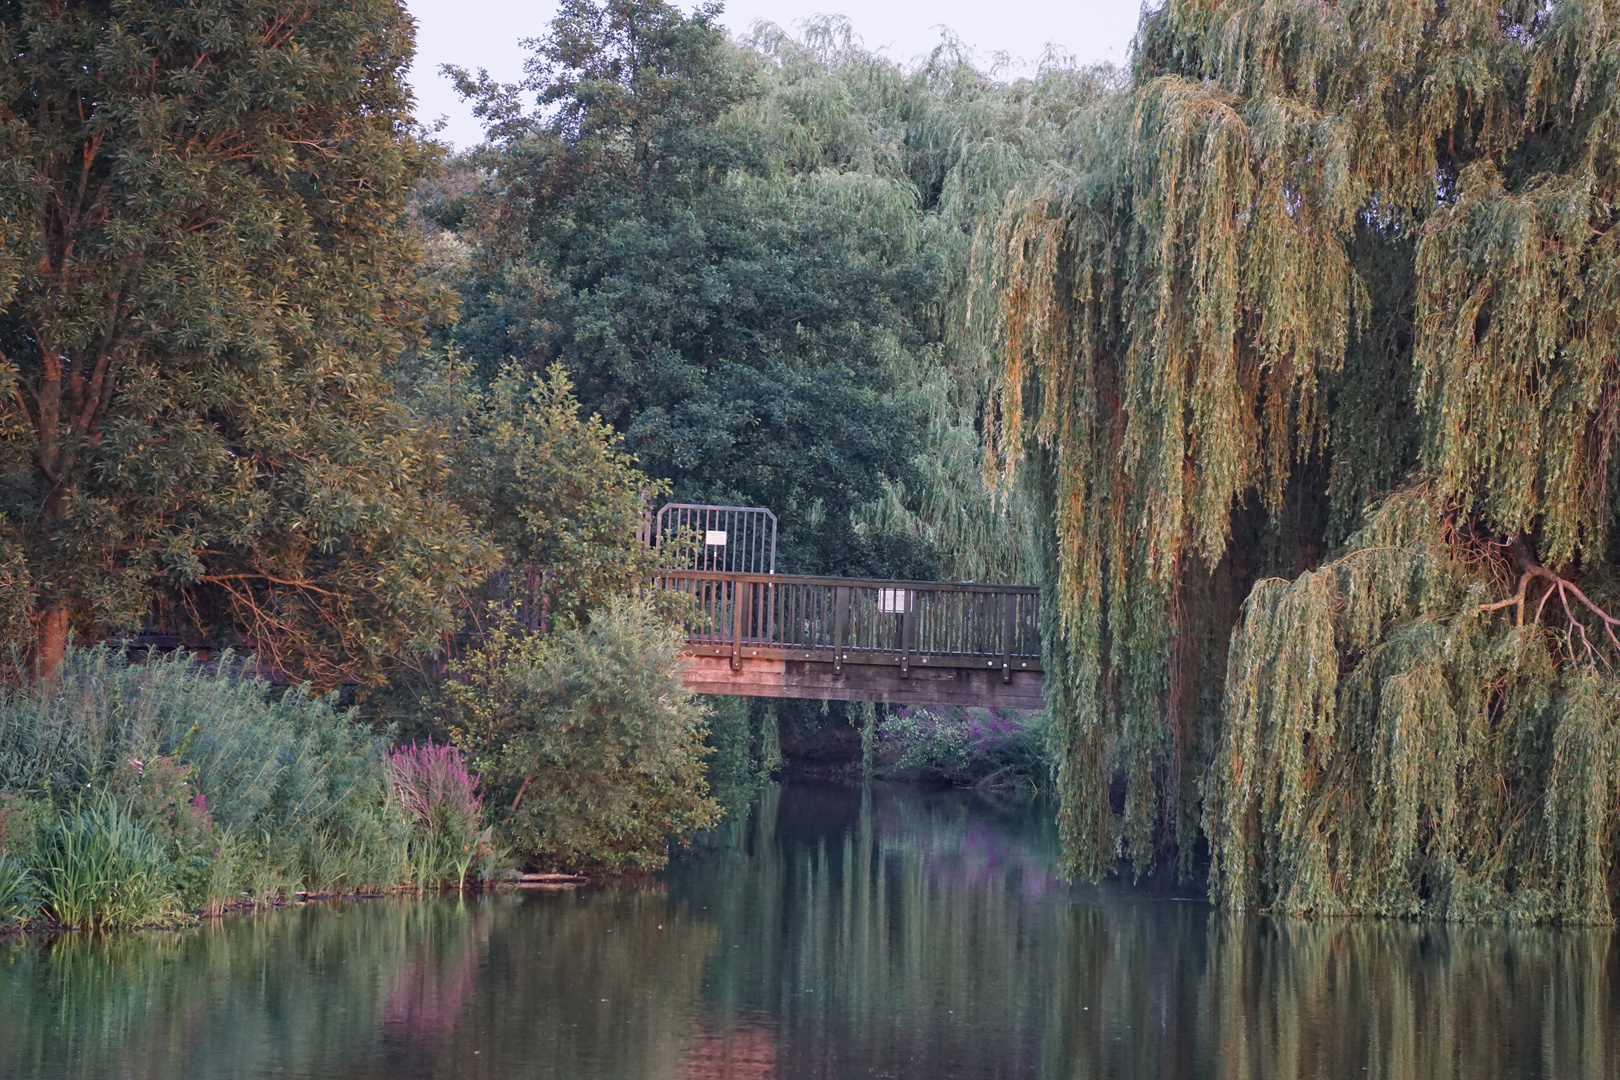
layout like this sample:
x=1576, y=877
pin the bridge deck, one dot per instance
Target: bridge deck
x=777, y=635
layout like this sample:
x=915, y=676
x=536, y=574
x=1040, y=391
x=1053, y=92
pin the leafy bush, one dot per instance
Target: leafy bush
x=588, y=742
x=97, y=866
x=966, y=746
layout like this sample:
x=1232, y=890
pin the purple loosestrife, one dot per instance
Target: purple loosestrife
x=435, y=788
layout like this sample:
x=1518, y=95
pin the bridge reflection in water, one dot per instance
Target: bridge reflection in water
x=854, y=639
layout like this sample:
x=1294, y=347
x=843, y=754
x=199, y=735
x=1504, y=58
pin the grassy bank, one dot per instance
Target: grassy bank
x=144, y=793
x=132, y=794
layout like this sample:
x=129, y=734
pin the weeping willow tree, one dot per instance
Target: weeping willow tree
x=1309, y=361
x=936, y=143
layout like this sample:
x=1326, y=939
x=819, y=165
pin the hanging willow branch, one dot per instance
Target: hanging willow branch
x=1392, y=746
x=1315, y=253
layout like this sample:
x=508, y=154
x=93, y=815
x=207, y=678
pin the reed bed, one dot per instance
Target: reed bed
x=133, y=794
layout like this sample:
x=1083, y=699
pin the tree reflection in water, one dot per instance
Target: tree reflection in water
x=837, y=932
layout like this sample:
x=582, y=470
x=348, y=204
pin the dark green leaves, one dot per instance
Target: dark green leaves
x=201, y=277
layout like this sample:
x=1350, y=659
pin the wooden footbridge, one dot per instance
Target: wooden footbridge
x=756, y=633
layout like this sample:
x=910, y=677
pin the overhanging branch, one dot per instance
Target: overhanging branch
x=1577, y=608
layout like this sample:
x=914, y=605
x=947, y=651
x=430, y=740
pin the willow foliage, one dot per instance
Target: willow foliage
x=1315, y=253
x=947, y=141
x=1394, y=747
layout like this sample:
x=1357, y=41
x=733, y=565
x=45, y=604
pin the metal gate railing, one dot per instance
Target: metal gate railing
x=724, y=539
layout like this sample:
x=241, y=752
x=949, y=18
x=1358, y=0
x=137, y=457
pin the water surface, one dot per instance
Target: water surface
x=839, y=932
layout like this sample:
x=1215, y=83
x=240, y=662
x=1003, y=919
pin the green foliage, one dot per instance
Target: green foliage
x=295, y=795
x=1315, y=253
x=98, y=867
x=963, y=141
x=1394, y=747
x=552, y=489
x=745, y=254
x=201, y=275
x=18, y=892
x=19, y=828
x=735, y=765
x=19, y=820
x=993, y=747
x=589, y=745
x=162, y=797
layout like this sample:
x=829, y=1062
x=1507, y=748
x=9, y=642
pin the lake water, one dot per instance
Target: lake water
x=839, y=932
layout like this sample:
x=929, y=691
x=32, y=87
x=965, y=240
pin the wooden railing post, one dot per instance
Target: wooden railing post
x=1009, y=628
x=906, y=599
x=738, y=591
x=840, y=626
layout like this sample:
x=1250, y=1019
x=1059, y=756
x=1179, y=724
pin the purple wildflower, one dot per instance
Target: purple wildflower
x=435, y=788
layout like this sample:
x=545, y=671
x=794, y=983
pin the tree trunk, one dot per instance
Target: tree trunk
x=53, y=630
x=54, y=617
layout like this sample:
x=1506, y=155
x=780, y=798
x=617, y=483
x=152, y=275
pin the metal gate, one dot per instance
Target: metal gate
x=728, y=539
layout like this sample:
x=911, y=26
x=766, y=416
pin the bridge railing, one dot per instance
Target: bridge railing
x=922, y=624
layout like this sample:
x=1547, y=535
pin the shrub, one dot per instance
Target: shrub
x=966, y=746
x=590, y=746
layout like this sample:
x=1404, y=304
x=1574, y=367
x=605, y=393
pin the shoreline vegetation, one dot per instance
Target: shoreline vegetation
x=1284, y=360
x=152, y=793
x=138, y=793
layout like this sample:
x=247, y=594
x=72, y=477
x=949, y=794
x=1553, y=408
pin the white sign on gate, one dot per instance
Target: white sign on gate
x=892, y=601
x=715, y=537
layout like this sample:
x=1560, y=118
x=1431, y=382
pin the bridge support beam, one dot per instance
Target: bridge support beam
x=819, y=680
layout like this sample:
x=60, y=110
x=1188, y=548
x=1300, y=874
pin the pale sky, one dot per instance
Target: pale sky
x=485, y=33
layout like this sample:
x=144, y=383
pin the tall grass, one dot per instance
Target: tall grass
x=98, y=867
x=279, y=768
x=439, y=797
x=18, y=890
x=170, y=784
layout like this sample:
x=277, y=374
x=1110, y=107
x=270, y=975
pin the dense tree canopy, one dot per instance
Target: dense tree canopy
x=1317, y=253
x=201, y=275
x=744, y=253
x=739, y=329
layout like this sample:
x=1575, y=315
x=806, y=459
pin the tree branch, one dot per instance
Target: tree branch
x=1571, y=600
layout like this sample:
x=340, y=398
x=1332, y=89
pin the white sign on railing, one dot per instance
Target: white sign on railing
x=715, y=537
x=892, y=601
